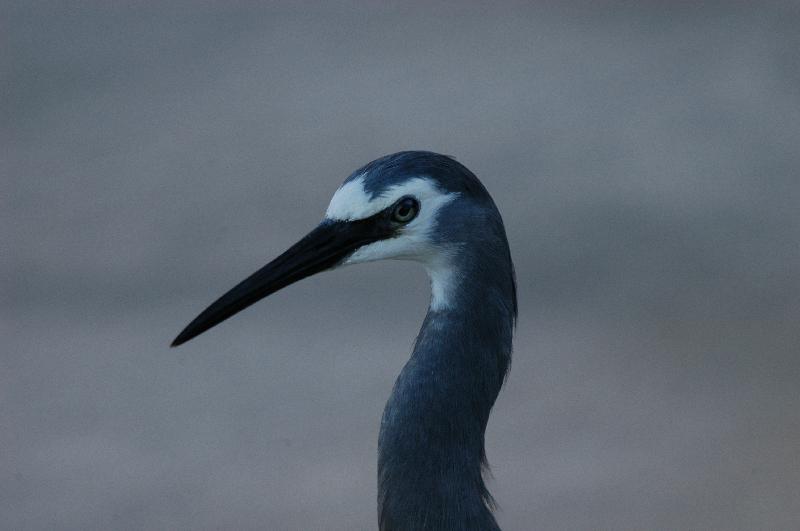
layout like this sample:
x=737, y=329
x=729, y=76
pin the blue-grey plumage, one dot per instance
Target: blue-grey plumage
x=429, y=208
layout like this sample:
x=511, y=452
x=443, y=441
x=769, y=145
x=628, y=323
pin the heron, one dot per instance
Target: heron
x=428, y=208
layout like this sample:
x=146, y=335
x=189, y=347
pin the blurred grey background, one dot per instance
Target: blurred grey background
x=644, y=156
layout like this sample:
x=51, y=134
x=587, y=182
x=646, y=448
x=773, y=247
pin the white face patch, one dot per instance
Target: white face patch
x=352, y=202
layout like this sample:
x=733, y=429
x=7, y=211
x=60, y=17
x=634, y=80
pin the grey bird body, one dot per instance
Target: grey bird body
x=429, y=208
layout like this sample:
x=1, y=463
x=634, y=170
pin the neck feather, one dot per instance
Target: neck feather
x=431, y=445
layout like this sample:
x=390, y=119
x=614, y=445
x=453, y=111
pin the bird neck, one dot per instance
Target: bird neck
x=431, y=444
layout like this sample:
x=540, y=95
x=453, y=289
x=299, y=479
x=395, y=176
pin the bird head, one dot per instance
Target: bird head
x=392, y=208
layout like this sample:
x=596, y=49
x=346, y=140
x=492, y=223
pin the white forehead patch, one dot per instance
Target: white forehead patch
x=351, y=201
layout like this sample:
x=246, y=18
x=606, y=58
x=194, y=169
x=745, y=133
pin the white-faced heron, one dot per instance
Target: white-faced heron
x=429, y=208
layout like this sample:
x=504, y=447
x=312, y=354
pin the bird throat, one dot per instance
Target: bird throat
x=431, y=444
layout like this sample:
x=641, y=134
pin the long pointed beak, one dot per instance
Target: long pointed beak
x=324, y=247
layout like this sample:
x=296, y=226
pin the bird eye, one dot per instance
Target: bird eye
x=405, y=210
